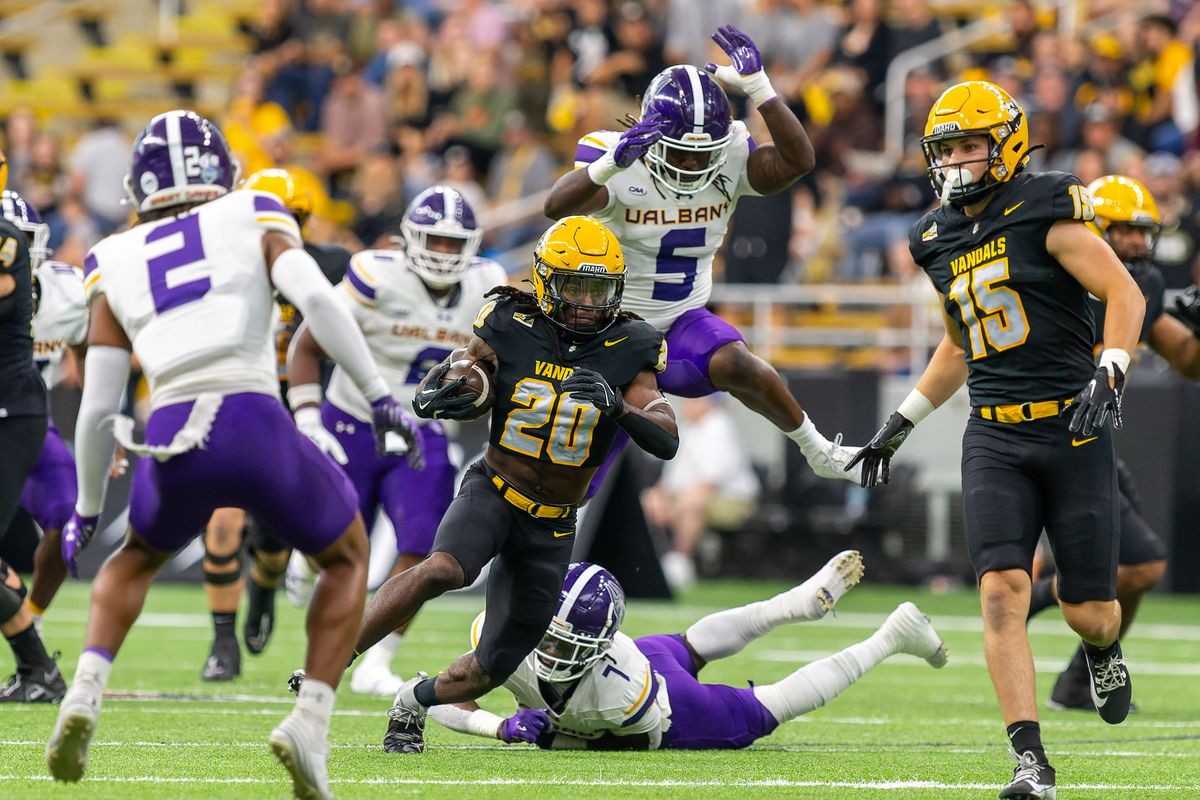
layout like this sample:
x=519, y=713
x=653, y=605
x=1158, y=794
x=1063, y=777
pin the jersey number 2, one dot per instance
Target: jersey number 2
x=668, y=263
x=570, y=435
x=190, y=250
x=992, y=314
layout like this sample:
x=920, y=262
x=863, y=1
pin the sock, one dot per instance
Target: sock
x=28, y=648
x=724, y=633
x=380, y=656
x=91, y=673
x=1042, y=596
x=316, y=698
x=1026, y=737
x=224, y=623
x=425, y=693
x=35, y=609
x=815, y=684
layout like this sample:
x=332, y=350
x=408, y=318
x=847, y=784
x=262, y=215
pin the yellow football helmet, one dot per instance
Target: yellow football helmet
x=3, y=171
x=295, y=197
x=579, y=275
x=976, y=108
x=1125, y=201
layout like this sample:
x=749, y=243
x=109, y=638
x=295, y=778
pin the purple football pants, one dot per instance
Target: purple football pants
x=414, y=501
x=704, y=716
x=254, y=458
x=50, y=491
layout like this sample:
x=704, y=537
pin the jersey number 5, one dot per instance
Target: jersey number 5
x=570, y=435
x=669, y=263
x=189, y=250
x=992, y=314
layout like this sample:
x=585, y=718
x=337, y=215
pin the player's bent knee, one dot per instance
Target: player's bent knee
x=1096, y=621
x=1004, y=597
x=733, y=366
x=1140, y=577
x=440, y=573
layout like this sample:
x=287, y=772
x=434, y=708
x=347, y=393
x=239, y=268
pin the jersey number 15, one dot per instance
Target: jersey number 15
x=992, y=314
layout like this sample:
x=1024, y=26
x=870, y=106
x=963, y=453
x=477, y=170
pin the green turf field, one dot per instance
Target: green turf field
x=904, y=731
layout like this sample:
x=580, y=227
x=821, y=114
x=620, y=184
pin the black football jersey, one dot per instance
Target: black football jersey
x=1150, y=280
x=1026, y=323
x=531, y=416
x=22, y=392
x=333, y=261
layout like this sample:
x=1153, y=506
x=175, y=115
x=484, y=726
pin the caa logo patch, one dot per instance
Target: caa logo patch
x=640, y=191
x=148, y=182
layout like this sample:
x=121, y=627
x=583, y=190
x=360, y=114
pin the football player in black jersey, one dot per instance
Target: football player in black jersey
x=230, y=527
x=23, y=421
x=1013, y=262
x=569, y=371
x=1127, y=217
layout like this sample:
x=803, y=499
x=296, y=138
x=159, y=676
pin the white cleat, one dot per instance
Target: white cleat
x=300, y=745
x=817, y=596
x=913, y=633
x=66, y=753
x=375, y=680
x=300, y=581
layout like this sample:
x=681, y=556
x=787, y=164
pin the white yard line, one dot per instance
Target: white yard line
x=960, y=659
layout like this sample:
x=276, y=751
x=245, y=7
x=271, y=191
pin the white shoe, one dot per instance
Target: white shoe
x=300, y=580
x=376, y=680
x=301, y=746
x=679, y=570
x=66, y=753
x=817, y=596
x=912, y=633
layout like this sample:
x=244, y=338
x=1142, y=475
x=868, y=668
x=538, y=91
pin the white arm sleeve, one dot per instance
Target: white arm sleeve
x=476, y=723
x=106, y=372
x=298, y=277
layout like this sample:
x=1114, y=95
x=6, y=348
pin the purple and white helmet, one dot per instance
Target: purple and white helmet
x=180, y=157
x=22, y=214
x=699, y=121
x=441, y=212
x=590, y=610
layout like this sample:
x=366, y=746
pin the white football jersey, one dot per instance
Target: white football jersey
x=620, y=693
x=193, y=294
x=669, y=241
x=62, y=317
x=409, y=332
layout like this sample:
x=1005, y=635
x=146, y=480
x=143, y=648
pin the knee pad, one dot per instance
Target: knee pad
x=11, y=599
x=215, y=578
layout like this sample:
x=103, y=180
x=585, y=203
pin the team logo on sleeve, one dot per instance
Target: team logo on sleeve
x=930, y=234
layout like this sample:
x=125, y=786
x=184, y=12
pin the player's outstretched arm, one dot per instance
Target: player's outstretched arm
x=1172, y=340
x=304, y=392
x=583, y=190
x=771, y=167
x=639, y=408
x=527, y=725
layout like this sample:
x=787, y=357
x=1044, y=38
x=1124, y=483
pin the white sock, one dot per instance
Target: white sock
x=91, y=675
x=724, y=633
x=815, y=684
x=316, y=698
x=379, y=656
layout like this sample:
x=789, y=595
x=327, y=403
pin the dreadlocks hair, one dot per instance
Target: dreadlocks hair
x=527, y=303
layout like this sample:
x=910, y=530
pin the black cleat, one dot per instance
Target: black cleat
x=224, y=662
x=406, y=726
x=1110, y=687
x=1072, y=689
x=296, y=681
x=1031, y=779
x=260, y=618
x=40, y=684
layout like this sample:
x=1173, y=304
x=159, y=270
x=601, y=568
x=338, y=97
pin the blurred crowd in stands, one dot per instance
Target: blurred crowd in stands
x=373, y=100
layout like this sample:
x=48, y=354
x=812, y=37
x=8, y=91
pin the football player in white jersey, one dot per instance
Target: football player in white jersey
x=588, y=686
x=190, y=290
x=667, y=187
x=414, y=308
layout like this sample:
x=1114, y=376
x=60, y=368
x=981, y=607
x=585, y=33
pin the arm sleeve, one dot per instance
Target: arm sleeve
x=298, y=277
x=107, y=370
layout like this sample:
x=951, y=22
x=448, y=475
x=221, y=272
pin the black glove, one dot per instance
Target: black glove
x=1093, y=405
x=441, y=402
x=586, y=384
x=1187, y=307
x=879, y=451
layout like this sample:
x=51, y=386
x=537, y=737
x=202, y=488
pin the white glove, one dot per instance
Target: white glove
x=827, y=459
x=308, y=421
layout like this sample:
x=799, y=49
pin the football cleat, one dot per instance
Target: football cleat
x=41, y=684
x=406, y=726
x=1031, y=780
x=296, y=681
x=224, y=661
x=66, y=753
x=817, y=596
x=378, y=681
x=300, y=744
x=912, y=632
x=260, y=618
x=1110, y=686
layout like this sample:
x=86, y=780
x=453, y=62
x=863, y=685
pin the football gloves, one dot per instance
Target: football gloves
x=308, y=422
x=1096, y=402
x=876, y=457
x=1187, y=308
x=746, y=74
x=78, y=531
x=586, y=384
x=525, y=726
x=388, y=415
x=443, y=402
x=637, y=141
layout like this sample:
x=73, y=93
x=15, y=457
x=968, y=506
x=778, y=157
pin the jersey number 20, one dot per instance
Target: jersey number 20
x=570, y=435
x=992, y=314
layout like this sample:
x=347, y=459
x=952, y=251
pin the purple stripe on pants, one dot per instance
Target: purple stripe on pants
x=691, y=341
x=254, y=458
x=414, y=501
x=50, y=492
x=704, y=716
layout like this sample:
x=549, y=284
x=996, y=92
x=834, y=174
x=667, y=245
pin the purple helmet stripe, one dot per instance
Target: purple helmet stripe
x=697, y=98
x=175, y=149
x=580, y=584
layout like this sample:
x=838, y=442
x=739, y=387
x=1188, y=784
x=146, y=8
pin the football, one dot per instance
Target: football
x=479, y=383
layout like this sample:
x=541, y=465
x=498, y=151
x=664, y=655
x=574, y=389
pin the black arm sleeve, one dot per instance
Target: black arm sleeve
x=648, y=436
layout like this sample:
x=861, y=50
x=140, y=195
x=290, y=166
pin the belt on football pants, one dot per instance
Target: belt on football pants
x=1022, y=412
x=527, y=504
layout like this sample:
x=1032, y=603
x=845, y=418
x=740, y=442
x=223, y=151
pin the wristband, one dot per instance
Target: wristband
x=758, y=88
x=484, y=723
x=603, y=169
x=915, y=407
x=306, y=394
x=308, y=415
x=1115, y=357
